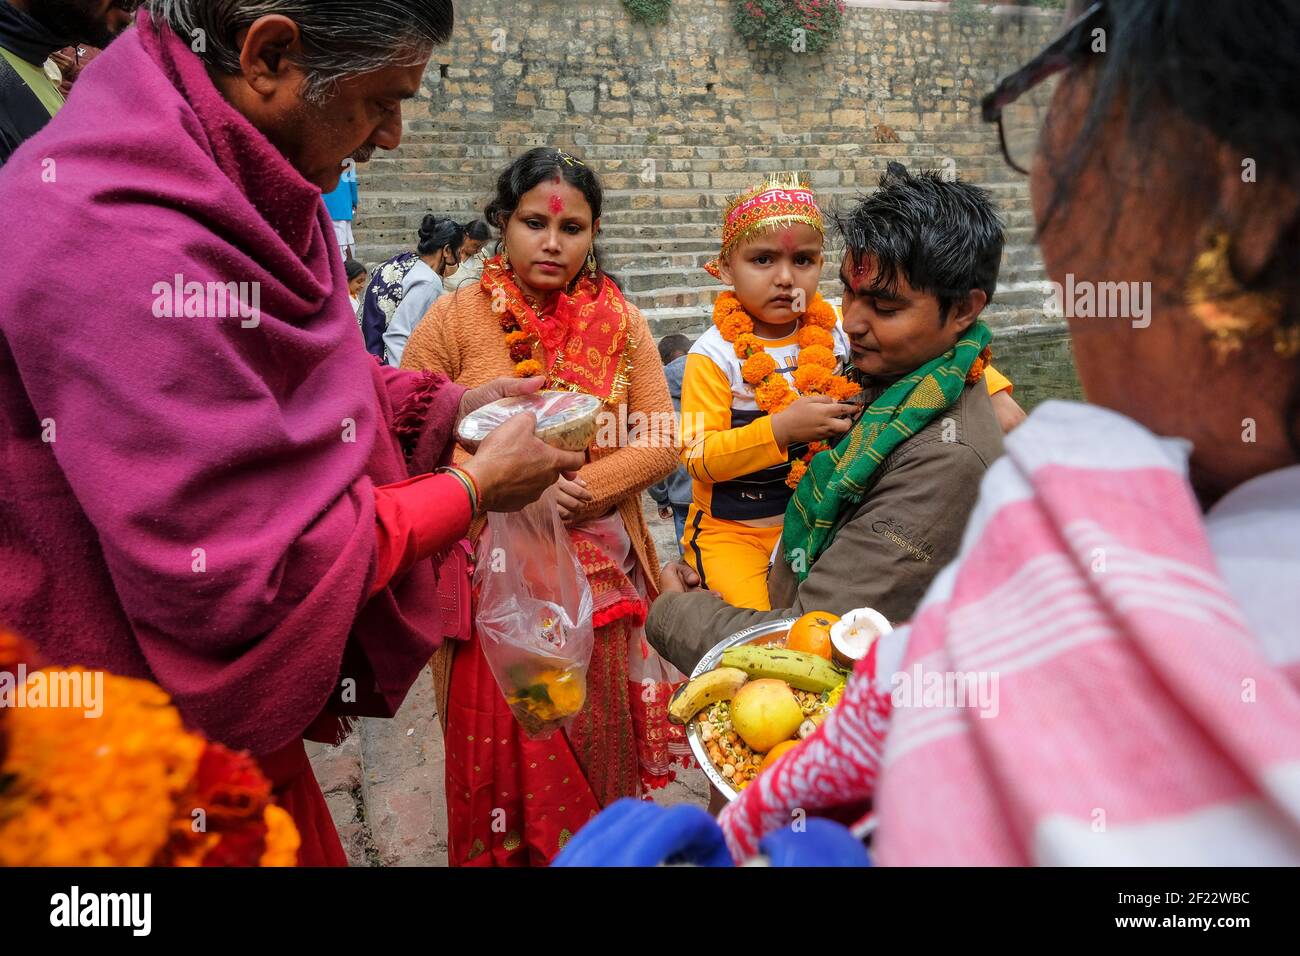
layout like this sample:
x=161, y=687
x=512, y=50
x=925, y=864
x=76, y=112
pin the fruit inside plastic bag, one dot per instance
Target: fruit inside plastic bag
x=533, y=617
x=546, y=698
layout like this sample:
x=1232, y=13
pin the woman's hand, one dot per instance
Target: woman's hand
x=570, y=496
x=513, y=467
x=495, y=390
x=678, y=577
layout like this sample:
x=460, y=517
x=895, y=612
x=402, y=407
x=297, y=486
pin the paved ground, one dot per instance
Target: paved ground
x=384, y=783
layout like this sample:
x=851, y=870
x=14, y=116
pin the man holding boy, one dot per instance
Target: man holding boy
x=876, y=517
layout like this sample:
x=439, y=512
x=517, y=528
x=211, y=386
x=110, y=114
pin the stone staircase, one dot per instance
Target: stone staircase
x=656, y=238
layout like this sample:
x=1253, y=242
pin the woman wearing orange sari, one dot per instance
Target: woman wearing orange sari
x=543, y=307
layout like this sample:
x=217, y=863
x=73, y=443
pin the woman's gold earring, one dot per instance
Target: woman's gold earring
x=505, y=256
x=591, y=260
x=1229, y=312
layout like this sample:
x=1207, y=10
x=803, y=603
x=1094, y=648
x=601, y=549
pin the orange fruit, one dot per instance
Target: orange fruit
x=775, y=753
x=812, y=634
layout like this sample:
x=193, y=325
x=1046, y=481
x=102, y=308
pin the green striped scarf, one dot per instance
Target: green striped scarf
x=838, y=478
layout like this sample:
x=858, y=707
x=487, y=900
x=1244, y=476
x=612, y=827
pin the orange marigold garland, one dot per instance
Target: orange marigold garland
x=819, y=355
x=813, y=335
x=121, y=789
x=757, y=367
x=978, y=366
x=814, y=369
x=521, y=345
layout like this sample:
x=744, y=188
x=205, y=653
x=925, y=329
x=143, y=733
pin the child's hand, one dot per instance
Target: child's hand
x=812, y=418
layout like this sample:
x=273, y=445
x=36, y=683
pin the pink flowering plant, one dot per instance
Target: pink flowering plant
x=774, y=23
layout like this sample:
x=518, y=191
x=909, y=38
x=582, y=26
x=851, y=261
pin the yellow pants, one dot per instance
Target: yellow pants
x=731, y=557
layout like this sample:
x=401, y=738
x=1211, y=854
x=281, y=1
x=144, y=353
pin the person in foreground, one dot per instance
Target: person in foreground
x=205, y=483
x=1126, y=586
x=875, y=518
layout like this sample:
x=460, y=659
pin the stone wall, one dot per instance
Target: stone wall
x=542, y=63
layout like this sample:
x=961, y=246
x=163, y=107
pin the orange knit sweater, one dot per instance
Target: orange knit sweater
x=461, y=337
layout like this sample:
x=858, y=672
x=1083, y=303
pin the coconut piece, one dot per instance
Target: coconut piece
x=854, y=633
x=565, y=420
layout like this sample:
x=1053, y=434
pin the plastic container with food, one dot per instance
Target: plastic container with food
x=565, y=420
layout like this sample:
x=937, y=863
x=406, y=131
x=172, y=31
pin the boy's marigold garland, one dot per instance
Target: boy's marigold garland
x=814, y=372
x=122, y=789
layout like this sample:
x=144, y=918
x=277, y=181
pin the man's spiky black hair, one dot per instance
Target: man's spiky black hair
x=943, y=237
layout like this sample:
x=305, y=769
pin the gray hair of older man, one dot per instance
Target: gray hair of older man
x=340, y=38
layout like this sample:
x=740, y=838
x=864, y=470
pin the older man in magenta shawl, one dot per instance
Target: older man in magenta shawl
x=202, y=473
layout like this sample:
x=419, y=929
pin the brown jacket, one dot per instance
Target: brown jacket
x=887, y=550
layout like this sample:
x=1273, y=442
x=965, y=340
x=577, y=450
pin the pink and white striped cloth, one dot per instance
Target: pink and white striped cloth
x=1079, y=687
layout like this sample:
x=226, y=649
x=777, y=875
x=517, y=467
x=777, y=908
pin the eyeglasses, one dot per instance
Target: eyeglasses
x=1019, y=103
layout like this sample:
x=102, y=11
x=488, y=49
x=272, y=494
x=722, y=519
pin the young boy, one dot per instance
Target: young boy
x=741, y=431
x=749, y=423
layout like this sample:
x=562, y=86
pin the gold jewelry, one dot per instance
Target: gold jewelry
x=470, y=485
x=591, y=260
x=505, y=254
x=1229, y=312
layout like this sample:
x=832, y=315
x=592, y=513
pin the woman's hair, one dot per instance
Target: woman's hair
x=437, y=232
x=340, y=38
x=478, y=230
x=531, y=170
x=354, y=269
x=1232, y=69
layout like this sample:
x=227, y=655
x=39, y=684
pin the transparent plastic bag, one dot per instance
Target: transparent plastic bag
x=534, y=616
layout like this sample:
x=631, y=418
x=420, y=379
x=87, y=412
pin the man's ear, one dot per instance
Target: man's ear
x=265, y=48
x=965, y=312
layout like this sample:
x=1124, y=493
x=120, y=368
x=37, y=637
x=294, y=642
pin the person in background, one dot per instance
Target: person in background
x=673, y=494
x=479, y=248
x=342, y=204
x=477, y=232
x=71, y=60
x=442, y=238
x=357, y=279
x=436, y=251
x=31, y=31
